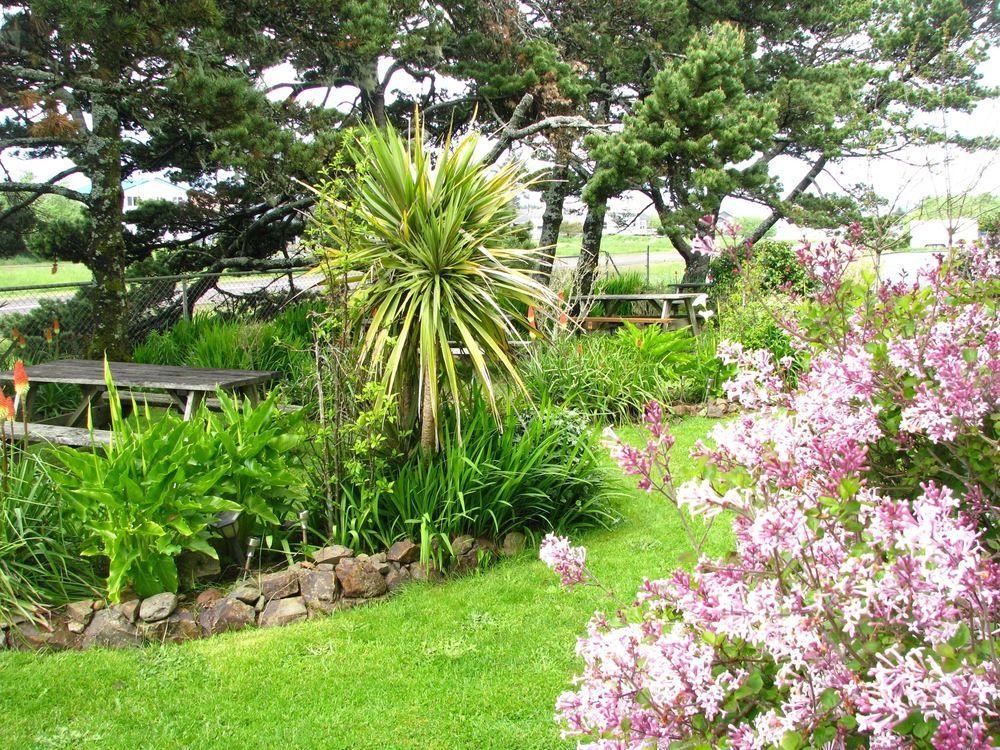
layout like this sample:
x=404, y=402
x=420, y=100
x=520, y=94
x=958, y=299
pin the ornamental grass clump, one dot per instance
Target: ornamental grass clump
x=860, y=605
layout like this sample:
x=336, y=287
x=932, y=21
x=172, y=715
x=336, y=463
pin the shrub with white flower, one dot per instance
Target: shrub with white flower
x=860, y=605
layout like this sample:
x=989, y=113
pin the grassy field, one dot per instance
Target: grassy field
x=476, y=663
x=618, y=244
x=32, y=273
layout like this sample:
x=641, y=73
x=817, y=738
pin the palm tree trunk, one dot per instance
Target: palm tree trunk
x=427, y=426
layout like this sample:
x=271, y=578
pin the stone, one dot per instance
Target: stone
x=158, y=607
x=319, y=589
x=279, y=585
x=226, y=615
x=76, y=627
x=29, y=636
x=80, y=612
x=332, y=555
x=461, y=545
x=247, y=592
x=715, y=411
x=396, y=577
x=403, y=552
x=207, y=598
x=129, y=610
x=305, y=565
x=513, y=544
x=178, y=627
x=379, y=563
x=422, y=572
x=194, y=565
x=325, y=567
x=280, y=612
x=360, y=579
x=111, y=628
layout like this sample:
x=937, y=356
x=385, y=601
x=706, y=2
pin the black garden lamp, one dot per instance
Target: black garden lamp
x=227, y=524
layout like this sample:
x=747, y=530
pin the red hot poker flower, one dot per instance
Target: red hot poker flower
x=6, y=407
x=21, y=383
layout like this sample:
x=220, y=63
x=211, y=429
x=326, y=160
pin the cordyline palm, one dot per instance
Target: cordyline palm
x=430, y=236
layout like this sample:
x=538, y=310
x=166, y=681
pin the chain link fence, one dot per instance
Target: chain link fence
x=41, y=322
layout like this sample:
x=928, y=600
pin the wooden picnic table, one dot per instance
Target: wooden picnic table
x=664, y=301
x=184, y=387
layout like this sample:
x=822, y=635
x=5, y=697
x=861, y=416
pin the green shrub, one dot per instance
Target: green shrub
x=40, y=562
x=529, y=473
x=775, y=264
x=153, y=491
x=613, y=377
x=282, y=345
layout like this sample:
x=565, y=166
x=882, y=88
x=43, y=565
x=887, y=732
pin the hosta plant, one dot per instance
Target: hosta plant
x=860, y=605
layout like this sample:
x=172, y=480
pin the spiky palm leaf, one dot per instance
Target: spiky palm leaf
x=430, y=236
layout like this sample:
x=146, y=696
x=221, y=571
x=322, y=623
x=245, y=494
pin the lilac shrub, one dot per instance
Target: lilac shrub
x=860, y=605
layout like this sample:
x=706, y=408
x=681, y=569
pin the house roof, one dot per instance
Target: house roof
x=135, y=182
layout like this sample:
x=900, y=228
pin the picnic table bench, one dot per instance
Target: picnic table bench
x=183, y=388
x=662, y=308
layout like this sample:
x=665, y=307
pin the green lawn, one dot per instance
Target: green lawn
x=31, y=273
x=618, y=244
x=476, y=663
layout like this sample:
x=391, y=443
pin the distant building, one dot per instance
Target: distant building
x=943, y=232
x=140, y=189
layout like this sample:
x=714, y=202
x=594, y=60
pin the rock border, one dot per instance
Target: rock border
x=335, y=579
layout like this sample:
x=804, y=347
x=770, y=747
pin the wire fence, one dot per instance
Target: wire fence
x=41, y=322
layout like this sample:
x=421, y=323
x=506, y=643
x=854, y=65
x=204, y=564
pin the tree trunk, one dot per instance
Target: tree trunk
x=106, y=251
x=428, y=431
x=590, y=251
x=372, y=93
x=552, y=218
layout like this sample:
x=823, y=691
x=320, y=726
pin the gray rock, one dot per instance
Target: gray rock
x=194, y=565
x=80, y=612
x=158, y=607
x=180, y=626
x=422, y=572
x=207, y=598
x=403, y=552
x=332, y=555
x=715, y=411
x=396, y=577
x=129, y=610
x=247, y=592
x=225, y=615
x=283, y=612
x=514, y=544
x=111, y=628
x=279, y=585
x=325, y=566
x=461, y=545
x=319, y=589
x=359, y=579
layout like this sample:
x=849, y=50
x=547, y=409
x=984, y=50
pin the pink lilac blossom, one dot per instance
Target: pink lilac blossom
x=857, y=606
x=565, y=559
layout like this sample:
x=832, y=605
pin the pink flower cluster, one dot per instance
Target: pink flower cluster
x=858, y=608
x=565, y=559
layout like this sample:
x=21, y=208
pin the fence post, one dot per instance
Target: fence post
x=647, y=261
x=184, y=301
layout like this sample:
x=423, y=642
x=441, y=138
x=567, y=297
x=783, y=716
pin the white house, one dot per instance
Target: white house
x=140, y=189
x=943, y=232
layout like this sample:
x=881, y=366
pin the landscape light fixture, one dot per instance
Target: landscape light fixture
x=227, y=524
x=253, y=544
x=303, y=518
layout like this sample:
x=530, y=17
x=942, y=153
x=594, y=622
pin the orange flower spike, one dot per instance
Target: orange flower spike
x=48, y=335
x=55, y=326
x=6, y=407
x=21, y=383
x=15, y=333
x=531, y=316
x=21, y=341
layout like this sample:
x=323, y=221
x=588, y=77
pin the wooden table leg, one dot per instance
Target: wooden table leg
x=692, y=315
x=89, y=391
x=665, y=313
x=194, y=399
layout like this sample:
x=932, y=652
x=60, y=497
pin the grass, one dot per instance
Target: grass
x=34, y=272
x=476, y=663
x=618, y=244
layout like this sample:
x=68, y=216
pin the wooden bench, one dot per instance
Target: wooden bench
x=77, y=437
x=166, y=400
x=597, y=322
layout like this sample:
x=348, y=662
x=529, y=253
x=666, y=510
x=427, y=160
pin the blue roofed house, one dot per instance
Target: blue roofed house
x=151, y=188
